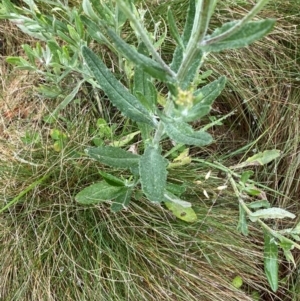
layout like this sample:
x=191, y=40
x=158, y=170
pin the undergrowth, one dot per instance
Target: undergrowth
x=53, y=249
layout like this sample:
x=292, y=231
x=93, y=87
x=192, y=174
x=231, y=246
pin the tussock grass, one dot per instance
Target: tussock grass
x=53, y=249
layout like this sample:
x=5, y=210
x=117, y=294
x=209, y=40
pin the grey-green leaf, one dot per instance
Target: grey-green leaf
x=116, y=92
x=242, y=224
x=178, y=53
x=271, y=260
x=143, y=88
x=206, y=96
x=97, y=193
x=150, y=66
x=247, y=34
x=111, y=180
x=153, y=174
x=270, y=213
x=121, y=201
x=265, y=157
x=183, y=133
x=114, y=157
x=173, y=28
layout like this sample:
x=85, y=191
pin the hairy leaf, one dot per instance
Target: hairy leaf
x=242, y=224
x=116, y=92
x=111, y=180
x=147, y=64
x=121, y=201
x=153, y=174
x=270, y=213
x=287, y=246
x=97, y=193
x=259, y=204
x=271, y=260
x=114, y=156
x=181, y=132
x=204, y=98
x=247, y=34
x=178, y=53
x=265, y=157
x=173, y=28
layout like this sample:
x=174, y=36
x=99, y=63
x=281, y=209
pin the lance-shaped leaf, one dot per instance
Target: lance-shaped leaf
x=116, y=92
x=247, y=34
x=111, y=180
x=178, y=53
x=173, y=28
x=265, y=157
x=153, y=174
x=242, y=224
x=93, y=30
x=206, y=96
x=259, y=159
x=143, y=88
x=98, y=192
x=183, y=213
x=182, y=132
x=270, y=213
x=271, y=260
x=287, y=246
x=114, y=157
x=121, y=201
x=150, y=66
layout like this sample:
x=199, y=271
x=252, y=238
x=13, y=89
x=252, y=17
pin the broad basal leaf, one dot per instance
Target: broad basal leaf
x=270, y=213
x=153, y=174
x=114, y=156
x=183, y=213
x=271, y=260
x=116, y=92
x=183, y=133
x=247, y=34
x=97, y=193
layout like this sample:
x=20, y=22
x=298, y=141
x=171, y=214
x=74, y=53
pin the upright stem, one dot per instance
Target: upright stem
x=160, y=127
x=143, y=34
x=202, y=17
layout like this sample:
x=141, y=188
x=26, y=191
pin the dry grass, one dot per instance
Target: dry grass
x=53, y=249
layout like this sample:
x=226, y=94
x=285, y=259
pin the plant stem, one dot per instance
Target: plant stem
x=262, y=224
x=143, y=35
x=255, y=10
x=160, y=127
x=202, y=17
x=230, y=174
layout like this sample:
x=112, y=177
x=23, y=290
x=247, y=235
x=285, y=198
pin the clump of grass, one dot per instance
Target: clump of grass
x=54, y=249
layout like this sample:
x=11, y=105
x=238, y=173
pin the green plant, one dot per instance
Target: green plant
x=156, y=119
